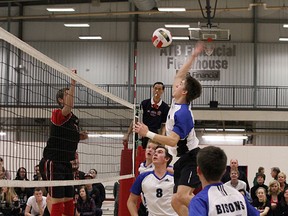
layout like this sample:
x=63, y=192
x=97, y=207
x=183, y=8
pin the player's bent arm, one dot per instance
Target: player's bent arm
x=170, y=140
x=27, y=210
x=129, y=131
x=132, y=204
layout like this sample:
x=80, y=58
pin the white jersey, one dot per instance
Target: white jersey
x=143, y=168
x=34, y=206
x=158, y=193
x=181, y=121
x=222, y=200
x=241, y=185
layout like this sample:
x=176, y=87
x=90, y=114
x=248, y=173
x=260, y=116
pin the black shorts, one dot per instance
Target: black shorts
x=51, y=170
x=185, y=170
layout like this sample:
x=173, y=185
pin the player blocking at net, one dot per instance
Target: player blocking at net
x=181, y=138
x=60, y=150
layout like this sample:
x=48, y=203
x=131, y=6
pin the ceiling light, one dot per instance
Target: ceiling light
x=176, y=26
x=180, y=38
x=194, y=29
x=228, y=129
x=285, y=25
x=224, y=137
x=2, y=133
x=60, y=9
x=106, y=135
x=77, y=25
x=171, y=9
x=90, y=37
x=283, y=39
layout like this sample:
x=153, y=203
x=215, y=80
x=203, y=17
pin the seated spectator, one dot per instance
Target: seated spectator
x=260, y=170
x=38, y=177
x=242, y=176
x=23, y=193
x=85, y=204
x=274, y=172
x=261, y=203
x=99, y=186
x=36, y=204
x=10, y=205
x=4, y=174
x=235, y=182
x=281, y=177
x=260, y=183
x=282, y=208
x=274, y=194
x=94, y=193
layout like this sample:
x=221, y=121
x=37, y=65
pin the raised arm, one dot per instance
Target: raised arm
x=69, y=98
x=181, y=74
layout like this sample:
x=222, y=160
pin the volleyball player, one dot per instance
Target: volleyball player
x=216, y=198
x=156, y=185
x=60, y=150
x=181, y=137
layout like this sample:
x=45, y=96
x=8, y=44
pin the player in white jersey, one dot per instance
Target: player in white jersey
x=181, y=137
x=157, y=186
x=216, y=198
x=148, y=165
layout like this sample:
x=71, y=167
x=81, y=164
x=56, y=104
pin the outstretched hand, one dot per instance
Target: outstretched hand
x=199, y=47
x=83, y=135
x=140, y=128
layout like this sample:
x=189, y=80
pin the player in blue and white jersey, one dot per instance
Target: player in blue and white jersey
x=216, y=198
x=156, y=185
x=181, y=137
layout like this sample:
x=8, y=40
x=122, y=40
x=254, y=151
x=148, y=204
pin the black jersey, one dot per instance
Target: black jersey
x=154, y=116
x=64, y=137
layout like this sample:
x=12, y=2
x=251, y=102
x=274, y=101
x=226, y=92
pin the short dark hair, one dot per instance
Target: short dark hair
x=212, y=161
x=167, y=154
x=159, y=83
x=260, y=169
x=38, y=189
x=60, y=94
x=193, y=88
x=1, y=159
x=276, y=169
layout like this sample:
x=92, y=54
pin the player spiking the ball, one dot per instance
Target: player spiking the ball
x=181, y=137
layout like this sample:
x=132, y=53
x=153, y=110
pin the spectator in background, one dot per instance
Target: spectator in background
x=282, y=180
x=155, y=112
x=36, y=204
x=23, y=193
x=94, y=193
x=274, y=172
x=274, y=195
x=99, y=186
x=260, y=183
x=10, y=205
x=260, y=170
x=85, y=204
x=261, y=203
x=37, y=175
x=242, y=176
x=4, y=174
x=282, y=208
x=235, y=182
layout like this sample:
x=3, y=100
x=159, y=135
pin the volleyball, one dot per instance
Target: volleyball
x=161, y=38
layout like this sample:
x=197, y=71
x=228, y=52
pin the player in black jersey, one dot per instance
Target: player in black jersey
x=60, y=150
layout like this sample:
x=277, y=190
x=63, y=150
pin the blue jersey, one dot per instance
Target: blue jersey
x=180, y=120
x=158, y=193
x=222, y=200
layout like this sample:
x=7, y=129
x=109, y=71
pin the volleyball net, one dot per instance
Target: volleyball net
x=29, y=81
